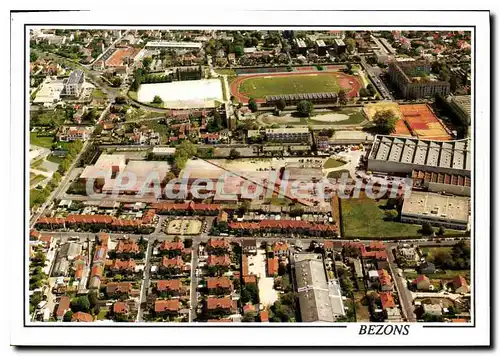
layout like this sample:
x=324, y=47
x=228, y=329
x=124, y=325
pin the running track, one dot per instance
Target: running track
x=342, y=78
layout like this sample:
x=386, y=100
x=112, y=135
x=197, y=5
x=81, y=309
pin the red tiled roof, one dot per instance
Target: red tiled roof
x=272, y=266
x=282, y=224
x=248, y=308
x=170, y=284
x=192, y=206
x=97, y=270
x=127, y=246
x=81, y=317
x=169, y=262
x=80, y=267
x=226, y=320
x=218, y=243
x=420, y=278
x=244, y=265
x=214, y=260
x=384, y=277
x=264, y=316
x=250, y=279
x=63, y=306
x=219, y=303
x=280, y=246
x=219, y=282
x=459, y=281
x=171, y=245
x=167, y=305
x=387, y=300
x=123, y=265
x=118, y=287
x=120, y=308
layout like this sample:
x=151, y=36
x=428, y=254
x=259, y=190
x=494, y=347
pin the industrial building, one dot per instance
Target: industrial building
x=438, y=210
x=440, y=182
x=320, y=299
x=298, y=134
x=415, y=81
x=392, y=154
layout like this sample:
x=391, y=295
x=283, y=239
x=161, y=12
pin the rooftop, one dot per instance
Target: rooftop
x=451, y=208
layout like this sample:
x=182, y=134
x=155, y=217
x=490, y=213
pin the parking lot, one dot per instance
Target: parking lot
x=257, y=265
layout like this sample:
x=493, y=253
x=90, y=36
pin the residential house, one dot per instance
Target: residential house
x=82, y=317
x=422, y=282
x=121, y=308
x=217, y=305
x=249, y=246
x=217, y=245
x=250, y=279
x=460, y=285
x=432, y=309
x=219, y=285
x=272, y=266
x=280, y=249
x=123, y=267
x=223, y=261
x=118, y=289
x=385, y=280
x=171, y=287
x=167, y=306
x=174, y=265
x=264, y=316
x=249, y=308
x=63, y=307
x=387, y=300
x=127, y=247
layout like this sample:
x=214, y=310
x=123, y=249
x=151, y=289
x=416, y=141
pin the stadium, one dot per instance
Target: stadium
x=260, y=86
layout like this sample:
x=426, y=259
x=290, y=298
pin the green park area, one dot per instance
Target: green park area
x=333, y=163
x=41, y=141
x=364, y=217
x=259, y=87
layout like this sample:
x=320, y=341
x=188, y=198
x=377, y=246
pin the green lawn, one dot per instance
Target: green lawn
x=55, y=159
x=41, y=141
x=295, y=84
x=431, y=251
x=363, y=218
x=98, y=94
x=333, y=163
x=36, y=178
x=226, y=71
x=338, y=174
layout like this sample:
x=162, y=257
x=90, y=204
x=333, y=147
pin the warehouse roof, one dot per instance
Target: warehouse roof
x=451, y=208
x=443, y=154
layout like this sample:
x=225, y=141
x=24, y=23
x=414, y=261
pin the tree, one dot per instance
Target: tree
x=281, y=104
x=427, y=229
x=81, y=303
x=33, y=56
x=146, y=62
x=157, y=100
x=120, y=99
x=363, y=93
x=67, y=317
x=441, y=231
x=252, y=105
x=342, y=97
x=391, y=214
x=385, y=121
x=453, y=83
x=238, y=50
x=249, y=317
x=234, y=153
x=350, y=44
x=305, y=108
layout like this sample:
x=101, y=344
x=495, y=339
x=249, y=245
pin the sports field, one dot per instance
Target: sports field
x=261, y=85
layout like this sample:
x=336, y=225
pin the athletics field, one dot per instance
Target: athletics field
x=260, y=85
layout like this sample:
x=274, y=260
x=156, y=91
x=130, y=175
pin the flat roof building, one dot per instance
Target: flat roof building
x=392, y=154
x=320, y=299
x=439, y=210
x=174, y=45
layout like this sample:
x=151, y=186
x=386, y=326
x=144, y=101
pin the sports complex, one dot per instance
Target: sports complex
x=302, y=80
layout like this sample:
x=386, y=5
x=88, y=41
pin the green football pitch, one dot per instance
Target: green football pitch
x=260, y=87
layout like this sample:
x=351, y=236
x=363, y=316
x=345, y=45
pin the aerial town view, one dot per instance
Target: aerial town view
x=236, y=176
